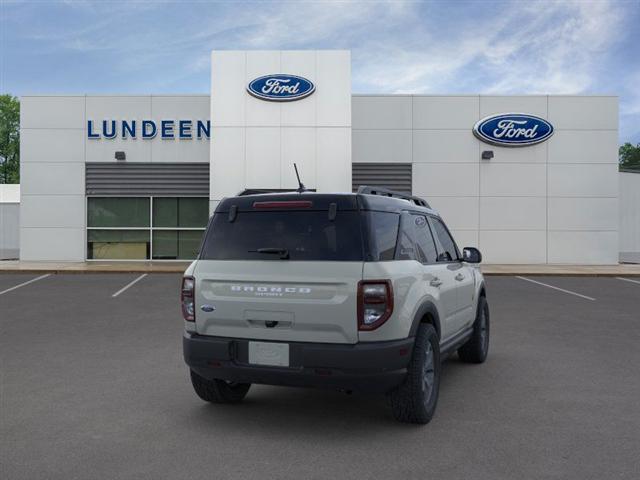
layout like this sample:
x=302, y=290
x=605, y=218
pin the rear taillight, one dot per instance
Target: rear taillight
x=187, y=295
x=375, y=303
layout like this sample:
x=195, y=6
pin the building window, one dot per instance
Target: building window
x=144, y=228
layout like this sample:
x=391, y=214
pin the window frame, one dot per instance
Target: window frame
x=149, y=229
x=433, y=237
x=439, y=247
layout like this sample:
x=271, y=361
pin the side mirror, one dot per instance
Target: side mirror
x=471, y=255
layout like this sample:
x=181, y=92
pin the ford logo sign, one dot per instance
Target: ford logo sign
x=281, y=87
x=513, y=129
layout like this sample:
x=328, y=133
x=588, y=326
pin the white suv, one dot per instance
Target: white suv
x=364, y=291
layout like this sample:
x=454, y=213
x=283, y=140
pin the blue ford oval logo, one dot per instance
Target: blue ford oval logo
x=207, y=308
x=513, y=129
x=281, y=87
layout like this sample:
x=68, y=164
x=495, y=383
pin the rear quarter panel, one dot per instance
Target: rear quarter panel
x=411, y=289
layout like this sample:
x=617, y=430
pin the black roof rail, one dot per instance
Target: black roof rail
x=258, y=191
x=385, y=192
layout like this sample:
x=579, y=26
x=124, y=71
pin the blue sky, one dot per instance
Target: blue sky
x=85, y=46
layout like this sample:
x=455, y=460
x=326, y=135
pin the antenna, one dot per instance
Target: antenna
x=301, y=187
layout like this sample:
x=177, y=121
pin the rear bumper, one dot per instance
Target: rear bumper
x=369, y=367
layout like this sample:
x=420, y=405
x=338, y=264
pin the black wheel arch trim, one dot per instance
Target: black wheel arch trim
x=427, y=308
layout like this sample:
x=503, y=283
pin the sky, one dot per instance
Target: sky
x=443, y=47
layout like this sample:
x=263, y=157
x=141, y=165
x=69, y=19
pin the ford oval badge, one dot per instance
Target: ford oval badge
x=207, y=308
x=281, y=87
x=513, y=129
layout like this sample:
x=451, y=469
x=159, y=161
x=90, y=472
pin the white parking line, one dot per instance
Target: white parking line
x=628, y=280
x=557, y=288
x=25, y=283
x=131, y=284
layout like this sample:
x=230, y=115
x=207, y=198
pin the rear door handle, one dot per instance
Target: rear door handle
x=459, y=277
x=436, y=282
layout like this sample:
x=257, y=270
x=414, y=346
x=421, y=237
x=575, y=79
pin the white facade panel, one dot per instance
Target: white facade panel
x=595, y=248
x=445, y=146
x=104, y=149
x=333, y=96
x=529, y=104
x=228, y=164
x=51, y=145
x=459, y=213
x=52, y=244
x=445, y=180
x=445, y=112
x=174, y=107
x=118, y=108
x=179, y=150
x=513, y=213
x=532, y=154
x=584, y=146
x=513, y=180
x=583, y=180
x=583, y=113
x=262, y=157
x=583, y=213
x=333, y=153
x=513, y=246
x=64, y=111
x=52, y=178
x=630, y=217
x=382, y=146
x=52, y=211
x=381, y=112
x=228, y=88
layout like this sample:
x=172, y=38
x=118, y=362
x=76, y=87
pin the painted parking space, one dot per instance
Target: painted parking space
x=10, y=280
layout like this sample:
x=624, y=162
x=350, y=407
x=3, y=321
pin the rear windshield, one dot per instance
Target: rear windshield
x=303, y=235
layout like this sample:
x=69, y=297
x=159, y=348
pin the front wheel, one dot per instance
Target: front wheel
x=218, y=391
x=477, y=347
x=415, y=400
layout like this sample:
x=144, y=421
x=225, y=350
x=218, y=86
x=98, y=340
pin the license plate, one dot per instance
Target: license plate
x=266, y=353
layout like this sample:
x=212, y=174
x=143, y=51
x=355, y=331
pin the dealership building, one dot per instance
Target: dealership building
x=526, y=179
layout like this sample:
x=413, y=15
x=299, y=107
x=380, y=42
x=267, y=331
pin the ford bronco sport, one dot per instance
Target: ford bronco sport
x=364, y=291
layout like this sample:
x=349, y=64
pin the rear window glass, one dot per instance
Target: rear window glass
x=305, y=235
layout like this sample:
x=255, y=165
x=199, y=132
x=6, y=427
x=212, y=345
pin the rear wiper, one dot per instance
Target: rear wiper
x=283, y=252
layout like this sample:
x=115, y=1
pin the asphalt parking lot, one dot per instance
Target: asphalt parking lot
x=93, y=386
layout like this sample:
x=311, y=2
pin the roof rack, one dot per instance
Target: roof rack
x=385, y=192
x=258, y=191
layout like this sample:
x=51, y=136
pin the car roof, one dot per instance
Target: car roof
x=321, y=201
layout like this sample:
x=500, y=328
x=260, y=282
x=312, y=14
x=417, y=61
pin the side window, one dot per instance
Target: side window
x=424, y=240
x=406, y=249
x=448, y=251
x=383, y=234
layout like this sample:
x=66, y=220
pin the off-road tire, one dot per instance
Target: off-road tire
x=218, y=391
x=413, y=401
x=477, y=347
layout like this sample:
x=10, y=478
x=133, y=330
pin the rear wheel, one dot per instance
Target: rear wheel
x=477, y=347
x=218, y=391
x=415, y=400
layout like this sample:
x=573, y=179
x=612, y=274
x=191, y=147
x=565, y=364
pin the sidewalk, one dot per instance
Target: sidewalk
x=14, y=266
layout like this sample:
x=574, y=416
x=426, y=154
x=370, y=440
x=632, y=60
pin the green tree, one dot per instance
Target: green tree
x=9, y=139
x=629, y=156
